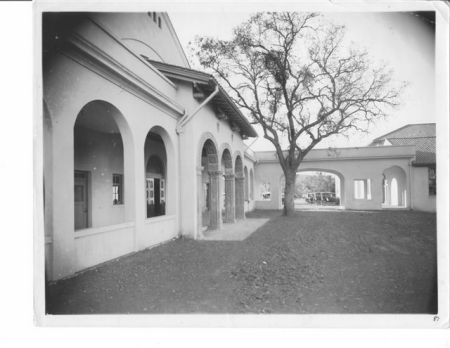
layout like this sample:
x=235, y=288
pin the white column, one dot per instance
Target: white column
x=229, y=198
x=63, y=201
x=215, y=213
x=138, y=195
x=200, y=203
x=239, y=195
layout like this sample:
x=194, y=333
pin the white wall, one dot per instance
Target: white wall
x=348, y=171
x=139, y=32
x=68, y=87
x=422, y=200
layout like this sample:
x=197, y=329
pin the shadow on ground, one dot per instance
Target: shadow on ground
x=313, y=262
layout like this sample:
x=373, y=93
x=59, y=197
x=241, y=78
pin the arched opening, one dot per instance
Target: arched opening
x=239, y=188
x=209, y=190
x=246, y=198
x=252, y=195
x=156, y=187
x=394, y=188
x=264, y=190
x=227, y=187
x=318, y=189
x=394, y=192
x=99, y=183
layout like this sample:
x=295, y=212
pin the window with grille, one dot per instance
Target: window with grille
x=117, y=189
x=162, y=190
x=150, y=191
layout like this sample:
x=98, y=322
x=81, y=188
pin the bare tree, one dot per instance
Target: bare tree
x=295, y=76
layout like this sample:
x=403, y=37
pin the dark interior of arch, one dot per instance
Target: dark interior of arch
x=155, y=165
x=209, y=155
x=238, y=167
x=226, y=159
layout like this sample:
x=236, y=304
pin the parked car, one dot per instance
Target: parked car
x=323, y=198
x=266, y=195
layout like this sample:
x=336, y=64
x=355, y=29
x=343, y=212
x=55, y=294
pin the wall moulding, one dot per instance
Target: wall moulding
x=98, y=61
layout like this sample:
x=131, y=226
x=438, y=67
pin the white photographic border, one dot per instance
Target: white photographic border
x=441, y=320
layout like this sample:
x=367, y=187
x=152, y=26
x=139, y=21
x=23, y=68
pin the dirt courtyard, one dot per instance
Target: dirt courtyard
x=313, y=262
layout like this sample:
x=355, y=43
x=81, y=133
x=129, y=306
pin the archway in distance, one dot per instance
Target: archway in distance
x=239, y=188
x=227, y=188
x=209, y=189
x=316, y=188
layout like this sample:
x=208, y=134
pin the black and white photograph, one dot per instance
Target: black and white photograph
x=249, y=162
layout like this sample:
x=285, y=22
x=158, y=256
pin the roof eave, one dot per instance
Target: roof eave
x=189, y=75
x=429, y=164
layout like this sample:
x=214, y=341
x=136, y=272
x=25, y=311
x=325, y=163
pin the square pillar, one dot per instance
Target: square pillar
x=229, y=199
x=215, y=214
x=239, y=192
x=137, y=194
x=62, y=217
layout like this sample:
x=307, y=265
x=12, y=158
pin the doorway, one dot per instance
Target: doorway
x=81, y=196
x=206, y=205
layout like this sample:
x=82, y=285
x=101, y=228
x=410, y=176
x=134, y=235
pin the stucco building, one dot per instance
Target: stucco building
x=396, y=171
x=423, y=167
x=140, y=149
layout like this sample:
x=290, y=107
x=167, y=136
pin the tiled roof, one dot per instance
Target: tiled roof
x=423, y=136
x=425, y=148
x=411, y=131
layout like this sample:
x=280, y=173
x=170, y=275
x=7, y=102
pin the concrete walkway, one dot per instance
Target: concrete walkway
x=238, y=231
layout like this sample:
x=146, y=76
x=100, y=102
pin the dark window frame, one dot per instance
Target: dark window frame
x=117, y=182
x=431, y=181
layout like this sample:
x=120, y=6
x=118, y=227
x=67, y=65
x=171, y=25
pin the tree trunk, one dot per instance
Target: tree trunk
x=289, y=192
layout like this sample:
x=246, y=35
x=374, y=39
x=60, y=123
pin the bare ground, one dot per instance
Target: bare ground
x=313, y=262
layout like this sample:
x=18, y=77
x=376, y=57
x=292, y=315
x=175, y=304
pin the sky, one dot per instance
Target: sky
x=402, y=40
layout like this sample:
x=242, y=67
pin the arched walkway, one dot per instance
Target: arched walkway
x=394, y=188
x=102, y=145
x=227, y=187
x=209, y=190
x=246, y=198
x=252, y=188
x=156, y=185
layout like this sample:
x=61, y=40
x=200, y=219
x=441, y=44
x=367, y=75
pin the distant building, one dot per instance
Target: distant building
x=423, y=138
x=396, y=171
